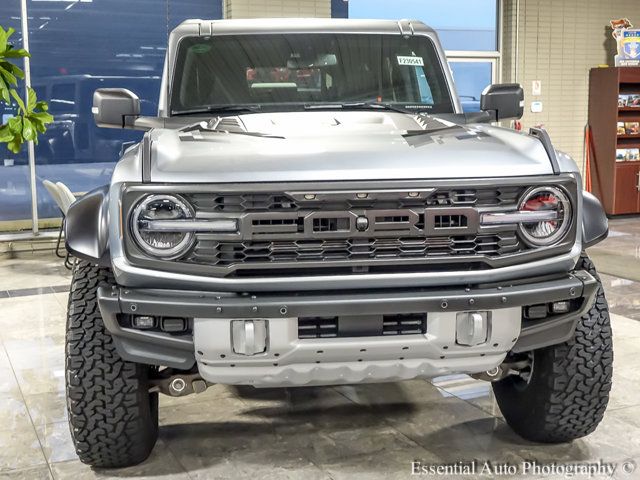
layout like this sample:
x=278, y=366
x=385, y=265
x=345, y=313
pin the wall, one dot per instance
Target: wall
x=559, y=42
x=277, y=8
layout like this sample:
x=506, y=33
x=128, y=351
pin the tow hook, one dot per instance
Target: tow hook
x=179, y=385
x=492, y=375
x=501, y=371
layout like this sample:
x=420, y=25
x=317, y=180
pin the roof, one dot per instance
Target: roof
x=300, y=25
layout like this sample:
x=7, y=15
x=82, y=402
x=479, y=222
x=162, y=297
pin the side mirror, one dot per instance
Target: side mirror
x=115, y=108
x=505, y=101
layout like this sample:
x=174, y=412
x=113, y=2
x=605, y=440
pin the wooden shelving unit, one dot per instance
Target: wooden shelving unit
x=616, y=184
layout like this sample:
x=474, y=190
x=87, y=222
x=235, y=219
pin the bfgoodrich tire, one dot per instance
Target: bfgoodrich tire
x=112, y=416
x=567, y=391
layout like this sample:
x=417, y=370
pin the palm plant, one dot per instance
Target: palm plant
x=32, y=116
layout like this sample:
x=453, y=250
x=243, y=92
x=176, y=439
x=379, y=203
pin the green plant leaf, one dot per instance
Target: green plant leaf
x=5, y=134
x=42, y=117
x=4, y=91
x=4, y=38
x=15, y=124
x=17, y=71
x=28, y=131
x=32, y=99
x=16, y=53
x=9, y=78
x=15, y=144
x=18, y=100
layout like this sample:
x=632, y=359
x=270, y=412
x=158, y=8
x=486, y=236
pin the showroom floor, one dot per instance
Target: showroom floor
x=367, y=431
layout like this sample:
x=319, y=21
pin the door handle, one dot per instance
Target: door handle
x=638, y=181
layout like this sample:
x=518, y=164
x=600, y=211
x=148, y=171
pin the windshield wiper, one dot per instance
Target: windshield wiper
x=356, y=106
x=212, y=109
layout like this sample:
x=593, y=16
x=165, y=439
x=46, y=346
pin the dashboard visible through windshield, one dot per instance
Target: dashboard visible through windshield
x=278, y=72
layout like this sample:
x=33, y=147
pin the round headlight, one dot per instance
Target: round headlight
x=151, y=226
x=546, y=232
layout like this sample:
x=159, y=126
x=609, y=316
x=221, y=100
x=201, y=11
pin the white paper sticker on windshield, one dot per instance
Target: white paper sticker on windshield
x=411, y=61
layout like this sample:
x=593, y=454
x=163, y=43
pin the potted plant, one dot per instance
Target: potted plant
x=32, y=116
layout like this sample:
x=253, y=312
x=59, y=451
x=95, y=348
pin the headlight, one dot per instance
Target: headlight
x=148, y=226
x=553, y=201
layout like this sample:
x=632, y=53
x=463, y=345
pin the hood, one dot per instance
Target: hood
x=326, y=146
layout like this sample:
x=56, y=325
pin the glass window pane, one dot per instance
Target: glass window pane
x=78, y=47
x=15, y=192
x=474, y=30
x=471, y=79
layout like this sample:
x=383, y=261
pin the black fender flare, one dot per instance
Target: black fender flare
x=595, y=225
x=86, y=227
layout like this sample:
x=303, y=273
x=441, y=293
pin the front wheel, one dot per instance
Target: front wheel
x=112, y=416
x=564, y=392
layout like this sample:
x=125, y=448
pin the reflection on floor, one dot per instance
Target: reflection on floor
x=365, y=431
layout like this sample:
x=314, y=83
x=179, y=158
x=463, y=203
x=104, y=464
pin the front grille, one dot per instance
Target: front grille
x=385, y=325
x=274, y=202
x=220, y=253
x=348, y=231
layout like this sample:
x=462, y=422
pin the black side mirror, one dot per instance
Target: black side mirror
x=115, y=108
x=505, y=100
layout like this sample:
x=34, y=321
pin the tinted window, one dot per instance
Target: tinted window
x=290, y=71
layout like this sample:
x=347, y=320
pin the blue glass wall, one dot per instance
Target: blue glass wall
x=76, y=47
x=461, y=24
x=15, y=193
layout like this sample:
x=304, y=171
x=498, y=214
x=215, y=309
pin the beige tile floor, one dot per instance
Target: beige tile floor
x=347, y=432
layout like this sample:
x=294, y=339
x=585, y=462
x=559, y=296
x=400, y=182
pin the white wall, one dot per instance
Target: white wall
x=559, y=41
x=277, y=8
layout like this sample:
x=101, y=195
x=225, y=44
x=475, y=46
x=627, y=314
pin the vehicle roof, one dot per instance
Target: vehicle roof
x=302, y=25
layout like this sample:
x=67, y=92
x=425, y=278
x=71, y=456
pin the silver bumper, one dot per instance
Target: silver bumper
x=342, y=360
x=290, y=361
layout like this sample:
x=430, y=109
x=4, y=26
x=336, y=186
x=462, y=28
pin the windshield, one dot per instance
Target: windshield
x=295, y=71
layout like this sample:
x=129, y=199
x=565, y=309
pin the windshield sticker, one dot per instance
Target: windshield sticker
x=411, y=61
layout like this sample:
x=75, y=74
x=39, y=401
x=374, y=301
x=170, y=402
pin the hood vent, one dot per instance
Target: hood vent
x=229, y=124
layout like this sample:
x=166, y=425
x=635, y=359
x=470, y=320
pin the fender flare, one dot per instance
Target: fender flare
x=595, y=225
x=86, y=227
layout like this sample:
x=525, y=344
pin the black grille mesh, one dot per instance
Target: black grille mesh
x=395, y=324
x=245, y=202
x=228, y=253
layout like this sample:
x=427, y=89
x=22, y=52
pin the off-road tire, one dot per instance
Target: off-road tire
x=112, y=416
x=568, y=390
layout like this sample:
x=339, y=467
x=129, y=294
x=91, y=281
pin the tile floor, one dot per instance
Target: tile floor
x=366, y=431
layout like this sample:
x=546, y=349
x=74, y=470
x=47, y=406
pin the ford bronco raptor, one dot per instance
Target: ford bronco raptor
x=312, y=207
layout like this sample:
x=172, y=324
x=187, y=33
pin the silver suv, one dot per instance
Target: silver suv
x=312, y=207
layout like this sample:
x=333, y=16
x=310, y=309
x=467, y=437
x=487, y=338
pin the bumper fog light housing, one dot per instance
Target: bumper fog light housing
x=561, y=307
x=143, y=322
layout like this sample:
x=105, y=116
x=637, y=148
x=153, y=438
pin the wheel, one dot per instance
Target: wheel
x=112, y=416
x=564, y=392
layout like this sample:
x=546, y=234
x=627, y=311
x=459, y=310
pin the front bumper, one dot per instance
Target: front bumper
x=292, y=361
